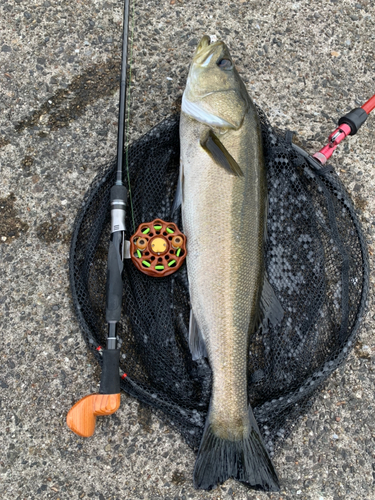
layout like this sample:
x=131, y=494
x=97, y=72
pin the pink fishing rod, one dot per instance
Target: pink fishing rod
x=348, y=125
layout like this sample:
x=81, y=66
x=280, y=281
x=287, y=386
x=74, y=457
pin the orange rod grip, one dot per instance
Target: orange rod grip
x=82, y=416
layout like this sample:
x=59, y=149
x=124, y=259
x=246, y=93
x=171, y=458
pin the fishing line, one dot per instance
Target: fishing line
x=127, y=124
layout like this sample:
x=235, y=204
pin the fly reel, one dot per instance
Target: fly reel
x=158, y=248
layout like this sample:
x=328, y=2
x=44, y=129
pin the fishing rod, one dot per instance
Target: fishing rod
x=82, y=416
x=347, y=125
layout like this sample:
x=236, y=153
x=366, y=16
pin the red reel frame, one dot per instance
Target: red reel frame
x=158, y=248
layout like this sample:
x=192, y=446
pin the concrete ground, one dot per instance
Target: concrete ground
x=305, y=63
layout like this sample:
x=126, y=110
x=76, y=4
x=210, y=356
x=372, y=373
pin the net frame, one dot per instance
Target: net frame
x=323, y=290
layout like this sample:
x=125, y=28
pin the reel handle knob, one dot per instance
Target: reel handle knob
x=177, y=242
x=141, y=243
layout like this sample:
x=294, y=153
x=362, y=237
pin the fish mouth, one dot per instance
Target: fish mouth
x=205, y=41
x=205, y=51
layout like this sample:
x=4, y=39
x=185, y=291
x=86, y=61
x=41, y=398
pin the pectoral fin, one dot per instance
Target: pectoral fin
x=216, y=149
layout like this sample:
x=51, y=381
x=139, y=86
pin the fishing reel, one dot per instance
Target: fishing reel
x=158, y=248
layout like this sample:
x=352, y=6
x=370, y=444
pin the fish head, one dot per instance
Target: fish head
x=214, y=93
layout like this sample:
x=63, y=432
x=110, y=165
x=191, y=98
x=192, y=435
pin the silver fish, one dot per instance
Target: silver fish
x=223, y=192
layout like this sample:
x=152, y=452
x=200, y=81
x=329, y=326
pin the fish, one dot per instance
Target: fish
x=222, y=191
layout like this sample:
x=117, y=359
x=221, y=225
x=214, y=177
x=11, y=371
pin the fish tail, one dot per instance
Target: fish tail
x=245, y=459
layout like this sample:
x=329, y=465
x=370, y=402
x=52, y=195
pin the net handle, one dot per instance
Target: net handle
x=369, y=105
x=347, y=125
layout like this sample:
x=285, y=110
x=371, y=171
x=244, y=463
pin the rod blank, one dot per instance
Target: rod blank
x=122, y=103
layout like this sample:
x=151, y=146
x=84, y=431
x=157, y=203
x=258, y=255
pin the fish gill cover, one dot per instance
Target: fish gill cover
x=316, y=259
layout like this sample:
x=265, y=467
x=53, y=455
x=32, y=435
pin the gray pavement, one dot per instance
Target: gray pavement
x=306, y=64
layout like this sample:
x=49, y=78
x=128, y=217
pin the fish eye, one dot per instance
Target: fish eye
x=224, y=64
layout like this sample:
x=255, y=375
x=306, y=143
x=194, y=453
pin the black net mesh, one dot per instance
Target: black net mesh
x=317, y=264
